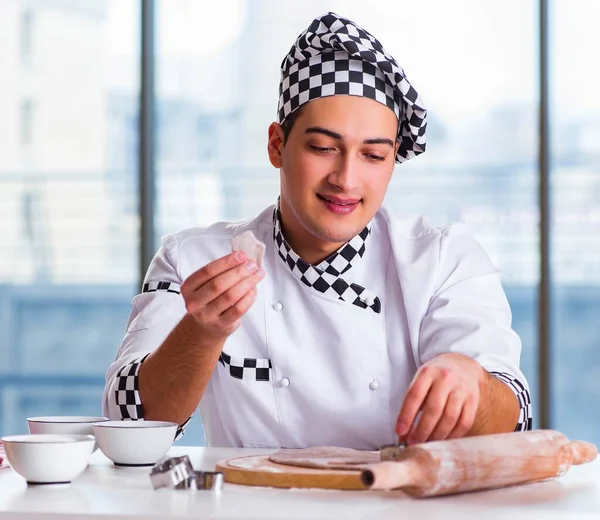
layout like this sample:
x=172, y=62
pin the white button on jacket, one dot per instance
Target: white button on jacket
x=439, y=293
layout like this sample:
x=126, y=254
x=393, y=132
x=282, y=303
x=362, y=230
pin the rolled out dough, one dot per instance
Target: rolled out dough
x=325, y=457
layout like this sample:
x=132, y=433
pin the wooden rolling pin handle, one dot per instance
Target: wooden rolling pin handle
x=583, y=452
x=391, y=474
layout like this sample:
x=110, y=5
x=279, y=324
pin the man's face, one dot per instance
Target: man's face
x=335, y=166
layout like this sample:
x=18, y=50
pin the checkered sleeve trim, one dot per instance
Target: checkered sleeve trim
x=169, y=287
x=248, y=369
x=525, y=421
x=181, y=428
x=127, y=395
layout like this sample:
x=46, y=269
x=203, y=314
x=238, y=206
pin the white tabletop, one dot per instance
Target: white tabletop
x=127, y=494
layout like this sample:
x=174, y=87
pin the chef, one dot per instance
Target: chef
x=359, y=327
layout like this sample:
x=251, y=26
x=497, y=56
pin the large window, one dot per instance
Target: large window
x=575, y=217
x=70, y=230
x=68, y=212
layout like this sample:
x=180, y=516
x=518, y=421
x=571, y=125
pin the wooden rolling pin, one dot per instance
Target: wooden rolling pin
x=477, y=463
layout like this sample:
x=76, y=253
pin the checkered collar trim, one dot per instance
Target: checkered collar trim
x=334, y=56
x=326, y=277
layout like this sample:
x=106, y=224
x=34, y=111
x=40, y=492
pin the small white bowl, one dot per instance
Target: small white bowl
x=48, y=458
x=73, y=425
x=135, y=443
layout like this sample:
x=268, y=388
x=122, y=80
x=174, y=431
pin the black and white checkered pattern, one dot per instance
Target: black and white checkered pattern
x=249, y=369
x=326, y=277
x=525, y=421
x=127, y=395
x=170, y=287
x=335, y=56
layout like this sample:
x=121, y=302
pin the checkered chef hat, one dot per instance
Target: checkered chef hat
x=336, y=56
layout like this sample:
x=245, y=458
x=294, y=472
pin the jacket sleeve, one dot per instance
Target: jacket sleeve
x=470, y=314
x=154, y=313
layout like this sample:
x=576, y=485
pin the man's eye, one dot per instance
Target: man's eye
x=320, y=148
x=375, y=157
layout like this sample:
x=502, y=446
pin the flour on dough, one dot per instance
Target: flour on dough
x=250, y=245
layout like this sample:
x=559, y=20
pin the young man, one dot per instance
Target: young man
x=360, y=328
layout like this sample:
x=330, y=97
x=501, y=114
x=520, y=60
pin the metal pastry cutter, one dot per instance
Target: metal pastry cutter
x=178, y=473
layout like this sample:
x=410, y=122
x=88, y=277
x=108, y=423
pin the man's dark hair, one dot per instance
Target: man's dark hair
x=288, y=124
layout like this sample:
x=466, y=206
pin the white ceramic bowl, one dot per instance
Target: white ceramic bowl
x=71, y=424
x=48, y=458
x=75, y=424
x=135, y=443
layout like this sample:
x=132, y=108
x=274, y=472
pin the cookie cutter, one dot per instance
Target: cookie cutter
x=178, y=473
x=212, y=480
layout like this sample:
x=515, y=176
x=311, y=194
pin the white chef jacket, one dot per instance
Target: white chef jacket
x=305, y=368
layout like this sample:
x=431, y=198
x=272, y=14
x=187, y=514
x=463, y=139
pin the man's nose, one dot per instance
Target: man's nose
x=345, y=175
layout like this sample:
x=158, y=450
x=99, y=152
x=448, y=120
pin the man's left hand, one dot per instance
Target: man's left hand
x=446, y=392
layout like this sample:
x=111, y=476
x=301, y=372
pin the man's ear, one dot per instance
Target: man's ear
x=275, y=144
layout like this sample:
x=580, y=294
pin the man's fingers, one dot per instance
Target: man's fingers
x=432, y=411
x=235, y=293
x=212, y=270
x=414, y=399
x=220, y=286
x=232, y=315
x=466, y=420
x=449, y=418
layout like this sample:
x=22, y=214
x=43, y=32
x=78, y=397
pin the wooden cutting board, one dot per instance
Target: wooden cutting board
x=258, y=470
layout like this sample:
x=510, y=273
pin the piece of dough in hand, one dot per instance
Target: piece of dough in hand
x=250, y=245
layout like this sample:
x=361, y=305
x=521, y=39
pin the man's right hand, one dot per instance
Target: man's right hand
x=220, y=293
